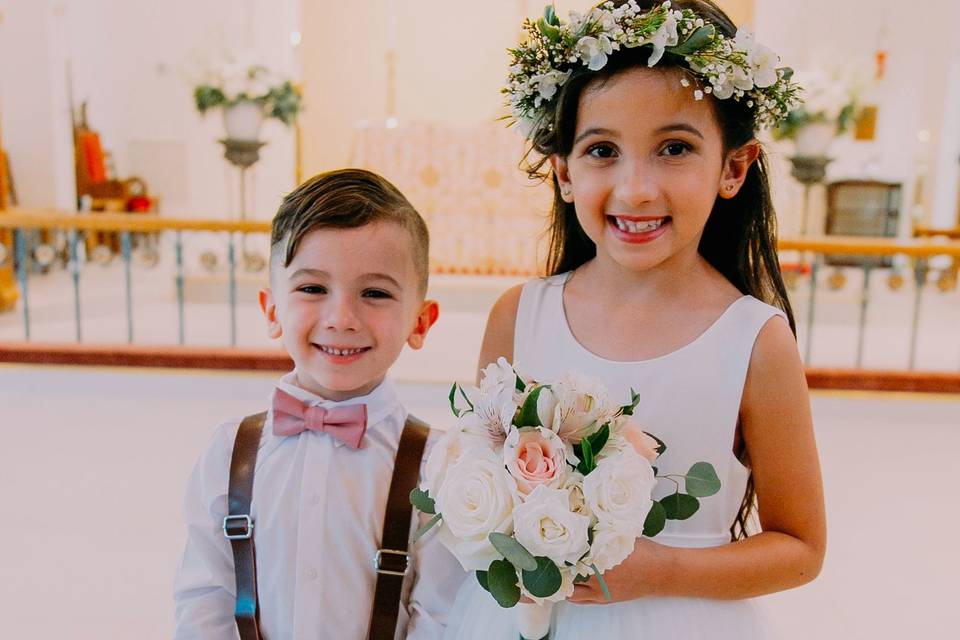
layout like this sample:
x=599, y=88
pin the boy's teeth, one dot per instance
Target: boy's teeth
x=638, y=227
x=340, y=352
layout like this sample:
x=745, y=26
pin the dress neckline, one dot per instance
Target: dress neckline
x=566, y=328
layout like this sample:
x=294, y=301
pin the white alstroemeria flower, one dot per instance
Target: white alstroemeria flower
x=499, y=381
x=611, y=546
x=764, y=62
x=594, y=51
x=477, y=497
x=618, y=491
x=548, y=83
x=583, y=406
x=665, y=36
x=744, y=40
x=742, y=78
x=545, y=526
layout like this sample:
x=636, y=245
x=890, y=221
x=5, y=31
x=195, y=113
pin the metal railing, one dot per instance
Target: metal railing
x=815, y=268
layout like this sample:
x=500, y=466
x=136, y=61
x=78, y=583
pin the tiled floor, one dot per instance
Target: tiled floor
x=93, y=465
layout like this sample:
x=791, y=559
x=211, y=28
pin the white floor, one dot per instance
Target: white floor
x=465, y=300
x=93, y=465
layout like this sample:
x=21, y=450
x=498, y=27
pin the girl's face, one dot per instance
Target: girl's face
x=646, y=167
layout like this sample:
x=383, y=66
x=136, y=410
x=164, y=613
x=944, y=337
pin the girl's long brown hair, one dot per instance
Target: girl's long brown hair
x=739, y=239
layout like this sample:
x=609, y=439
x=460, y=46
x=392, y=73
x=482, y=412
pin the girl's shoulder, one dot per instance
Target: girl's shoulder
x=498, y=338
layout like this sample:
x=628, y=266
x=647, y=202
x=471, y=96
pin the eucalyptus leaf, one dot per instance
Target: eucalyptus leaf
x=425, y=528
x=697, y=40
x=655, y=521
x=528, y=412
x=680, y=506
x=545, y=580
x=482, y=579
x=502, y=580
x=422, y=501
x=702, y=480
x=513, y=551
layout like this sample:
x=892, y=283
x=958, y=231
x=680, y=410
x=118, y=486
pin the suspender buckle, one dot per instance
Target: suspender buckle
x=238, y=527
x=397, y=565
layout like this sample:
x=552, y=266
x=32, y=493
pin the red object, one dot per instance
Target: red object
x=139, y=204
x=93, y=156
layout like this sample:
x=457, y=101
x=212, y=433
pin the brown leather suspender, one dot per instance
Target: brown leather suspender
x=391, y=561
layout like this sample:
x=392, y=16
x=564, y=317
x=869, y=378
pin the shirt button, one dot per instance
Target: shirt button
x=311, y=573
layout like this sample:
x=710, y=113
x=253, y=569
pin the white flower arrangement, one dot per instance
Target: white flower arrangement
x=737, y=68
x=830, y=96
x=552, y=487
x=240, y=78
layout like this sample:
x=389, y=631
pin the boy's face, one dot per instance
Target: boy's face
x=345, y=306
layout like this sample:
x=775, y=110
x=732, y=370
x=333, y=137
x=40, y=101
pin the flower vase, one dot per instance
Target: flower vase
x=242, y=121
x=814, y=140
x=533, y=620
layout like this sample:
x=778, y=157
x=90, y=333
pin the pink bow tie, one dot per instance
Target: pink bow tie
x=345, y=423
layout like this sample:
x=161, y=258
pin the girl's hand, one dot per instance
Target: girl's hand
x=635, y=577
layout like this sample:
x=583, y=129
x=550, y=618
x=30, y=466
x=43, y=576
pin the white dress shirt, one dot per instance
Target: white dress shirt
x=318, y=508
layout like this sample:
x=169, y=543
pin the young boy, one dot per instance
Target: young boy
x=348, y=279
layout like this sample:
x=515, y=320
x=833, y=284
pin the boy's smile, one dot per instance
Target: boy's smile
x=345, y=306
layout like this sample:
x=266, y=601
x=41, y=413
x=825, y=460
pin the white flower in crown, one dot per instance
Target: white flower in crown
x=545, y=526
x=594, y=51
x=665, y=36
x=548, y=83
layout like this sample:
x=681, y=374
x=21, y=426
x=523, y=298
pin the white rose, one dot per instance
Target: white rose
x=545, y=526
x=445, y=453
x=618, y=490
x=611, y=546
x=475, y=499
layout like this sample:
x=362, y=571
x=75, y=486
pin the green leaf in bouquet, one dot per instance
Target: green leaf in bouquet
x=628, y=409
x=603, y=583
x=580, y=579
x=528, y=416
x=502, y=580
x=550, y=15
x=422, y=501
x=520, y=385
x=453, y=399
x=661, y=446
x=599, y=438
x=482, y=579
x=513, y=551
x=680, y=506
x=426, y=527
x=585, y=454
x=655, y=521
x=545, y=580
x=702, y=481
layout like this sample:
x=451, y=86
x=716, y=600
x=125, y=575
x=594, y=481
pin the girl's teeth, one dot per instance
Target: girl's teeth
x=638, y=227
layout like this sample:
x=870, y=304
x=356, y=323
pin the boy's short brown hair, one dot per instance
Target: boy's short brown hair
x=346, y=199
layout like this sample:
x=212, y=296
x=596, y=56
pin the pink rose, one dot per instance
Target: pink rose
x=535, y=456
x=641, y=441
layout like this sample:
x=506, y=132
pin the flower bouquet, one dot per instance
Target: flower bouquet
x=539, y=486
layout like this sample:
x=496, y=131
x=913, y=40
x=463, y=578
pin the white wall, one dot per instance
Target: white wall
x=131, y=60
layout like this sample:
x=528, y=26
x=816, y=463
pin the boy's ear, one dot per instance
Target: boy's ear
x=269, y=307
x=735, y=167
x=429, y=312
x=560, y=170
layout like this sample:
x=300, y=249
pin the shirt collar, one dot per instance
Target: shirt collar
x=381, y=402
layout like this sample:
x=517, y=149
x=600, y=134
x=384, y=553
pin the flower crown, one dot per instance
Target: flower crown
x=737, y=68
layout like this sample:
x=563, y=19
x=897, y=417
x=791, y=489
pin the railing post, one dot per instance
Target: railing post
x=125, y=251
x=74, y=267
x=814, y=269
x=864, y=300
x=232, y=262
x=179, y=253
x=920, y=269
x=20, y=245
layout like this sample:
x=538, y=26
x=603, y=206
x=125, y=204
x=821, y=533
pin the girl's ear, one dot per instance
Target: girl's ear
x=735, y=168
x=560, y=170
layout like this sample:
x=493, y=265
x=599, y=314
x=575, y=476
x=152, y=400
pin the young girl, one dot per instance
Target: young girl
x=665, y=280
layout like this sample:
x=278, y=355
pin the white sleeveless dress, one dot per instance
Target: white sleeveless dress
x=690, y=398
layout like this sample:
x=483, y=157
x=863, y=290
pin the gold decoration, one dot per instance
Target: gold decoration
x=837, y=280
x=895, y=281
x=947, y=281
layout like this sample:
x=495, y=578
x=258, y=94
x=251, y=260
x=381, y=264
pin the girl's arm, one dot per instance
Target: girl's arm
x=498, y=337
x=777, y=432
